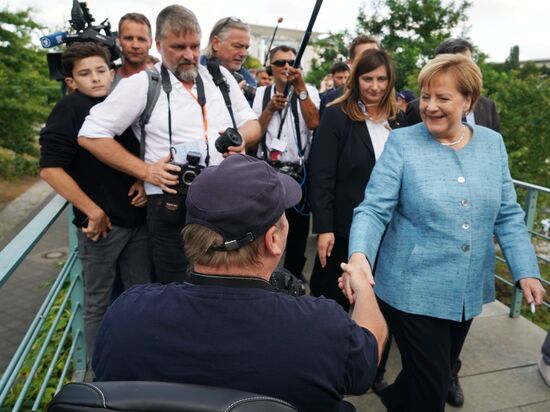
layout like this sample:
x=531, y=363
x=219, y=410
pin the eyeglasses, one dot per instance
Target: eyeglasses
x=282, y=63
x=226, y=22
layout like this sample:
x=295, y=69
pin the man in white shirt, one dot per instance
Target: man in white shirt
x=187, y=118
x=287, y=138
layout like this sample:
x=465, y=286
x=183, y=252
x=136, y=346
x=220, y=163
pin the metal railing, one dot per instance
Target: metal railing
x=54, y=344
x=530, y=208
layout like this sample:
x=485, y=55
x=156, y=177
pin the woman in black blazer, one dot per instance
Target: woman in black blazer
x=347, y=143
x=351, y=136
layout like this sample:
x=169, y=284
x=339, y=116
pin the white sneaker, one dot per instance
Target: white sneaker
x=544, y=370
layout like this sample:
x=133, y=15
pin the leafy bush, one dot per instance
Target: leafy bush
x=15, y=164
x=27, y=92
x=45, y=362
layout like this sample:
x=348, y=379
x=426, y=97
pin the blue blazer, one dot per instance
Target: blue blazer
x=441, y=208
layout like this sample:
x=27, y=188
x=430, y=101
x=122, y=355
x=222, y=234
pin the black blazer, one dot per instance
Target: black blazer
x=485, y=113
x=341, y=162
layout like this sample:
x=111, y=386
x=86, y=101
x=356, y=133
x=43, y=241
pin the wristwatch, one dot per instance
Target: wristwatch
x=303, y=95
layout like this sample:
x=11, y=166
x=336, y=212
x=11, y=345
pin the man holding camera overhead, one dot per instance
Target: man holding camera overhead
x=185, y=124
x=287, y=129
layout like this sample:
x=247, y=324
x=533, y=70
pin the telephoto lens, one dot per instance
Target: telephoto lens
x=231, y=137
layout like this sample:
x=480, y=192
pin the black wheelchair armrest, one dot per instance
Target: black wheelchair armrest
x=160, y=397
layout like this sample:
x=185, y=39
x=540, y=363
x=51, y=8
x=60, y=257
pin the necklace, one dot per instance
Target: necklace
x=460, y=139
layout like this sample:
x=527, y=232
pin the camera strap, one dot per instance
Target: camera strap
x=213, y=66
x=296, y=118
x=200, y=99
x=167, y=87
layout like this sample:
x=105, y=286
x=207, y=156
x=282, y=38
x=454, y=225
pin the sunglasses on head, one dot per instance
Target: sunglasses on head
x=227, y=22
x=282, y=63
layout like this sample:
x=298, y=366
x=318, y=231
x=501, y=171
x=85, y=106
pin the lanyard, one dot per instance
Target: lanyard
x=201, y=101
x=203, y=111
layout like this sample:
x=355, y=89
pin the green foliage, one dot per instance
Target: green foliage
x=14, y=164
x=512, y=61
x=27, y=93
x=331, y=49
x=45, y=363
x=522, y=98
x=252, y=62
x=411, y=29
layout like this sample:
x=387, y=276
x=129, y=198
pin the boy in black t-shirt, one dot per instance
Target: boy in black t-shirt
x=107, y=203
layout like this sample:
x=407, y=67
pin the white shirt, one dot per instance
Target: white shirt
x=379, y=132
x=471, y=118
x=288, y=138
x=123, y=107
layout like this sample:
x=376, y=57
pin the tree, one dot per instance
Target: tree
x=331, y=49
x=252, y=62
x=522, y=100
x=512, y=61
x=411, y=29
x=27, y=92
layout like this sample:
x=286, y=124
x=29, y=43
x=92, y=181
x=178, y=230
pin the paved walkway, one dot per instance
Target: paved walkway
x=499, y=370
x=22, y=295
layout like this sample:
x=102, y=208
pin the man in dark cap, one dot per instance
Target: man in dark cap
x=226, y=326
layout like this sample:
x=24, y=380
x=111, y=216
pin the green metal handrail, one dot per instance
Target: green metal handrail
x=66, y=288
x=530, y=208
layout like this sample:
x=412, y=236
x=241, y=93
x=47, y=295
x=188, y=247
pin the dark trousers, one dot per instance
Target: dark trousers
x=298, y=231
x=169, y=259
x=124, y=251
x=428, y=347
x=324, y=281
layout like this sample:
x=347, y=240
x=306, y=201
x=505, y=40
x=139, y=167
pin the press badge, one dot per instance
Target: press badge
x=278, y=145
x=179, y=151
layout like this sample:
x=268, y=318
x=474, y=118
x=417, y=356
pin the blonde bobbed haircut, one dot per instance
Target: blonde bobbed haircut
x=467, y=76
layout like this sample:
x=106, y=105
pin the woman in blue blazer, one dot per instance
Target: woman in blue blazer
x=351, y=137
x=439, y=192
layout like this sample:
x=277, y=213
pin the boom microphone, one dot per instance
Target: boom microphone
x=279, y=20
x=54, y=39
x=305, y=39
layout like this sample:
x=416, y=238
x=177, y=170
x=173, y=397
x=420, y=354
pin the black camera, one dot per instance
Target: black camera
x=285, y=282
x=231, y=137
x=81, y=21
x=248, y=90
x=173, y=209
x=293, y=170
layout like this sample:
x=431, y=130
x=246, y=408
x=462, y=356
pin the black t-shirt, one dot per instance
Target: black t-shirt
x=304, y=350
x=106, y=186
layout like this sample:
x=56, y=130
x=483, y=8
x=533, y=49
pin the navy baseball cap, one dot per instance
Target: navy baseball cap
x=407, y=95
x=240, y=199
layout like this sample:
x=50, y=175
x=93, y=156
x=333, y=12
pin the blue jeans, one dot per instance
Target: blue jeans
x=124, y=248
x=167, y=248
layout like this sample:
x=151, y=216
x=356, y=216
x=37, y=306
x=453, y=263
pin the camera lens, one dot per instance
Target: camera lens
x=188, y=176
x=231, y=137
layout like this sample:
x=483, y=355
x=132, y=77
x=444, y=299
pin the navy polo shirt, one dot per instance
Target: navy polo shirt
x=305, y=350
